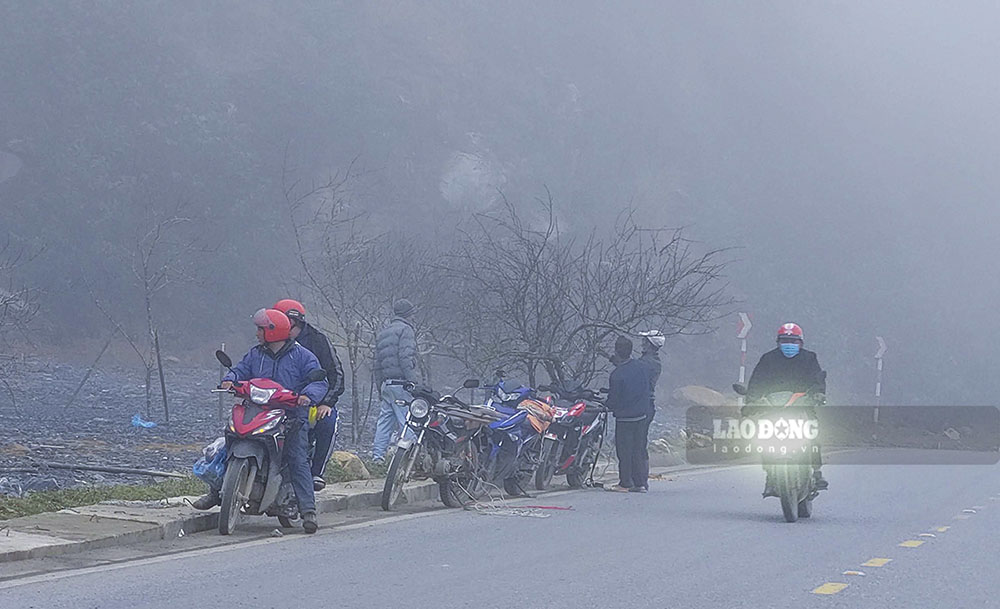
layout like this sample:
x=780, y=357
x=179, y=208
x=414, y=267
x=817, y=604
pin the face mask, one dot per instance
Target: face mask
x=789, y=349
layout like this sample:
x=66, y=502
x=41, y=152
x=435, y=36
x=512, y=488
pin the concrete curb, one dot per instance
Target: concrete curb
x=104, y=525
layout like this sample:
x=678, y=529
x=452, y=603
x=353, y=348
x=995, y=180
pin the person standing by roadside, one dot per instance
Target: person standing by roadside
x=323, y=433
x=395, y=360
x=629, y=402
x=652, y=340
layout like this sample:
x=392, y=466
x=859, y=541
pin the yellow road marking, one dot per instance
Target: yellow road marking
x=942, y=529
x=830, y=588
x=877, y=562
x=927, y=535
x=911, y=543
x=968, y=511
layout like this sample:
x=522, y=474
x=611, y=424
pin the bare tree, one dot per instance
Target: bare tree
x=348, y=266
x=541, y=299
x=18, y=307
x=160, y=255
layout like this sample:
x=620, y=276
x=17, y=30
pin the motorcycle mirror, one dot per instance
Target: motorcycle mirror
x=316, y=375
x=500, y=373
x=471, y=384
x=223, y=358
x=740, y=388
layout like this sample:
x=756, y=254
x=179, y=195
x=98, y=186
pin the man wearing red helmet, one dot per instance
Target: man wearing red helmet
x=789, y=367
x=281, y=359
x=322, y=434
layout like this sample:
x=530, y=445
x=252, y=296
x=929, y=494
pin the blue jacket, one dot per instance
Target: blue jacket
x=289, y=366
x=396, y=352
x=628, y=391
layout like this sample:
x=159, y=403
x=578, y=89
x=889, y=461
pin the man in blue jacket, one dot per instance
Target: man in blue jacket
x=395, y=360
x=629, y=401
x=281, y=359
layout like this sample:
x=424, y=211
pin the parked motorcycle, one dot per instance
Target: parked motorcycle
x=443, y=439
x=516, y=441
x=788, y=458
x=255, y=481
x=572, y=442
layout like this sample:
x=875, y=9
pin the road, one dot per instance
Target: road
x=697, y=540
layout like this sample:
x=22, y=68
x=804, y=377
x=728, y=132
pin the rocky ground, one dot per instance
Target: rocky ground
x=97, y=428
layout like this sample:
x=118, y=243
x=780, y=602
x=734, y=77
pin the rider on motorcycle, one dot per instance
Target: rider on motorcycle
x=323, y=432
x=789, y=367
x=281, y=359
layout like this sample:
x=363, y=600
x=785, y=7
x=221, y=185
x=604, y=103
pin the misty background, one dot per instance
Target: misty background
x=847, y=150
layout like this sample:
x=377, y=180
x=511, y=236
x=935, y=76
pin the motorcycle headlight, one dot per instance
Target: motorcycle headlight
x=260, y=396
x=419, y=408
x=507, y=397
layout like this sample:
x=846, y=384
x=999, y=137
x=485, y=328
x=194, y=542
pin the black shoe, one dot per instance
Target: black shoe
x=769, y=489
x=309, y=524
x=819, y=481
x=637, y=489
x=206, y=502
x=318, y=483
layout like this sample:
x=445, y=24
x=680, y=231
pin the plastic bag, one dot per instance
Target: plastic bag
x=137, y=421
x=211, y=469
x=210, y=450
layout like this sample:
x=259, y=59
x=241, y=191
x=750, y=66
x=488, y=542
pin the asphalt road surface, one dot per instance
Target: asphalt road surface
x=697, y=540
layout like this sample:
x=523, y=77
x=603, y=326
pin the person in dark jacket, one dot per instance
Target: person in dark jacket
x=628, y=401
x=789, y=367
x=395, y=360
x=281, y=359
x=323, y=434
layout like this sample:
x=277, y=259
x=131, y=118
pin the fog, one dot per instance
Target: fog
x=847, y=151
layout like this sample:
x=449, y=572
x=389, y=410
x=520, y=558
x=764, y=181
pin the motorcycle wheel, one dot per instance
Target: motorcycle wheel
x=805, y=508
x=395, y=478
x=233, y=497
x=449, y=494
x=575, y=477
x=546, y=467
x=788, y=493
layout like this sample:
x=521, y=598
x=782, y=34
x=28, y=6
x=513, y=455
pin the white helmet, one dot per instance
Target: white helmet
x=654, y=337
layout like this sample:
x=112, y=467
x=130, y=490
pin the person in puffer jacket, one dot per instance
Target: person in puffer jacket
x=395, y=361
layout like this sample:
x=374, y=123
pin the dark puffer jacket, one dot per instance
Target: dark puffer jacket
x=314, y=340
x=396, y=352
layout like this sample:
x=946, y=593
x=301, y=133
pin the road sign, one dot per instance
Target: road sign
x=881, y=347
x=745, y=326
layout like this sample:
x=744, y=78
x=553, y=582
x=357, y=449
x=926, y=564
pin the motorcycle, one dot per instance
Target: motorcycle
x=254, y=482
x=516, y=439
x=572, y=442
x=443, y=439
x=790, y=466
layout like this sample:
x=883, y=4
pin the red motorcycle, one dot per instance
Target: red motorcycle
x=255, y=482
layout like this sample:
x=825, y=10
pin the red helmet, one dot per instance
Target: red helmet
x=790, y=330
x=292, y=308
x=275, y=324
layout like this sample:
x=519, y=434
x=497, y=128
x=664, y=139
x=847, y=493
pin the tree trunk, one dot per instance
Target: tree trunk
x=149, y=379
x=163, y=385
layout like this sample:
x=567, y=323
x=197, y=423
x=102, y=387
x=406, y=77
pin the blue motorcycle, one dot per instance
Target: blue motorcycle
x=514, y=450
